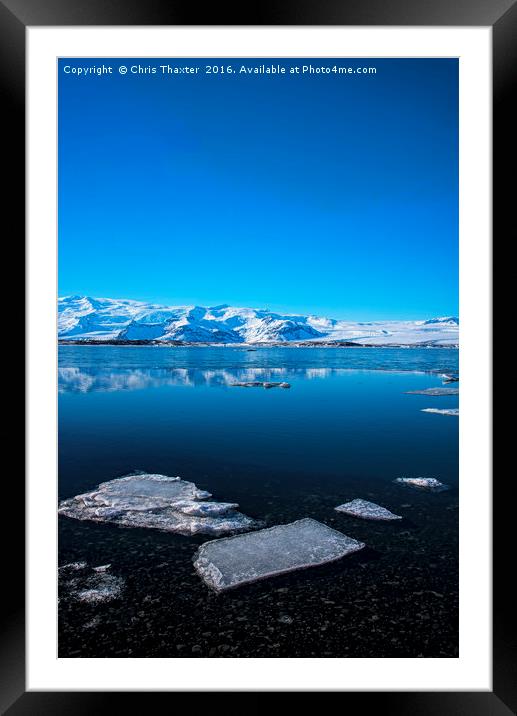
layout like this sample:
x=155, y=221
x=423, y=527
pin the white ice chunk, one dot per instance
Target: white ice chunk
x=442, y=411
x=205, y=509
x=171, y=520
x=448, y=378
x=104, y=588
x=232, y=561
x=423, y=483
x=73, y=567
x=89, y=584
x=434, y=391
x=260, y=384
x=367, y=510
x=166, y=503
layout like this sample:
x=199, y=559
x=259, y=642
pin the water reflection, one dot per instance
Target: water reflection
x=86, y=380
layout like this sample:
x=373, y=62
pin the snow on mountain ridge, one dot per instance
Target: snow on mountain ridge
x=87, y=318
x=449, y=320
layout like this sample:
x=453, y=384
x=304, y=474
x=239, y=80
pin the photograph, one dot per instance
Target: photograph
x=258, y=334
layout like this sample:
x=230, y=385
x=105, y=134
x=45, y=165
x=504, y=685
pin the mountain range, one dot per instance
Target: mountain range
x=82, y=318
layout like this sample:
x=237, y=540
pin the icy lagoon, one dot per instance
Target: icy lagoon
x=345, y=430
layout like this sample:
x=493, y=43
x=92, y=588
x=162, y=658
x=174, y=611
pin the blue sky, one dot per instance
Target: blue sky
x=332, y=194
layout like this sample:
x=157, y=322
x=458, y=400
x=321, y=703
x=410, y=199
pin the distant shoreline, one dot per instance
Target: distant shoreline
x=252, y=346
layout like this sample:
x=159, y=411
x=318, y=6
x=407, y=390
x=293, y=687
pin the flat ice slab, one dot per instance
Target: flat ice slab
x=422, y=483
x=260, y=384
x=367, y=510
x=434, y=391
x=165, y=503
x=232, y=561
x=442, y=411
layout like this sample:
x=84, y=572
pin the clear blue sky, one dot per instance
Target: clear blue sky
x=331, y=194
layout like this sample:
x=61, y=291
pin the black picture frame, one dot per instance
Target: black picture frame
x=501, y=15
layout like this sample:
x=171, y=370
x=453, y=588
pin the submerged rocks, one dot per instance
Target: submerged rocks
x=154, y=501
x=430, y=484
x=367, y=510
x=241, y=559
x=260, y=384
x=442, y=411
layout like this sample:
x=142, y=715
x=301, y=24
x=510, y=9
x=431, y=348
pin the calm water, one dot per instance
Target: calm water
x=345, y=429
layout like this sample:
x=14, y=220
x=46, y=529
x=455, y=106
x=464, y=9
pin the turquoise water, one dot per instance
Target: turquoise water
x=346, y=428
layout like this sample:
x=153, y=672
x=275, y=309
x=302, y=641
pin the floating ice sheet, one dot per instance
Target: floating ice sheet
x=80, y=583
x=442, y=411
x=434, y=391
x=423, y=483
x=232, y=561
x=165, y=503
x=72, y=567
x=367, y=510
x=260, y=384
x=450, y=378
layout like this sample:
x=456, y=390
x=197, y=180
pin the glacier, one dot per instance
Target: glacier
x=83, y=318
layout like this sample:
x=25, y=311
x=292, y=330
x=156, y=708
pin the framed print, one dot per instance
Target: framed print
x=259, y=361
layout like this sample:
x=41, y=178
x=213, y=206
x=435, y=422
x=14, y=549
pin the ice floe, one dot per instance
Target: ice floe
x=241, y=559
x=103, y=589
x=72, y=567
x=205, y=509
x=423, y=483
x=260, y=384
x=93, y=585
x=434, y=391
x=155, y=501
x=442, y=411
x=367, y=510
x=449, y=378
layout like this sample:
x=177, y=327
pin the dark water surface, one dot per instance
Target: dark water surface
x=345, y=429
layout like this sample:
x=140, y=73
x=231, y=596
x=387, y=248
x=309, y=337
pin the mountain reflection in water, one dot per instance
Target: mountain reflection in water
x=80, y=380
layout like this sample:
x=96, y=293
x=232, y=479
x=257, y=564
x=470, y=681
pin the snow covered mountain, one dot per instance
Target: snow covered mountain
x=85, y=318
